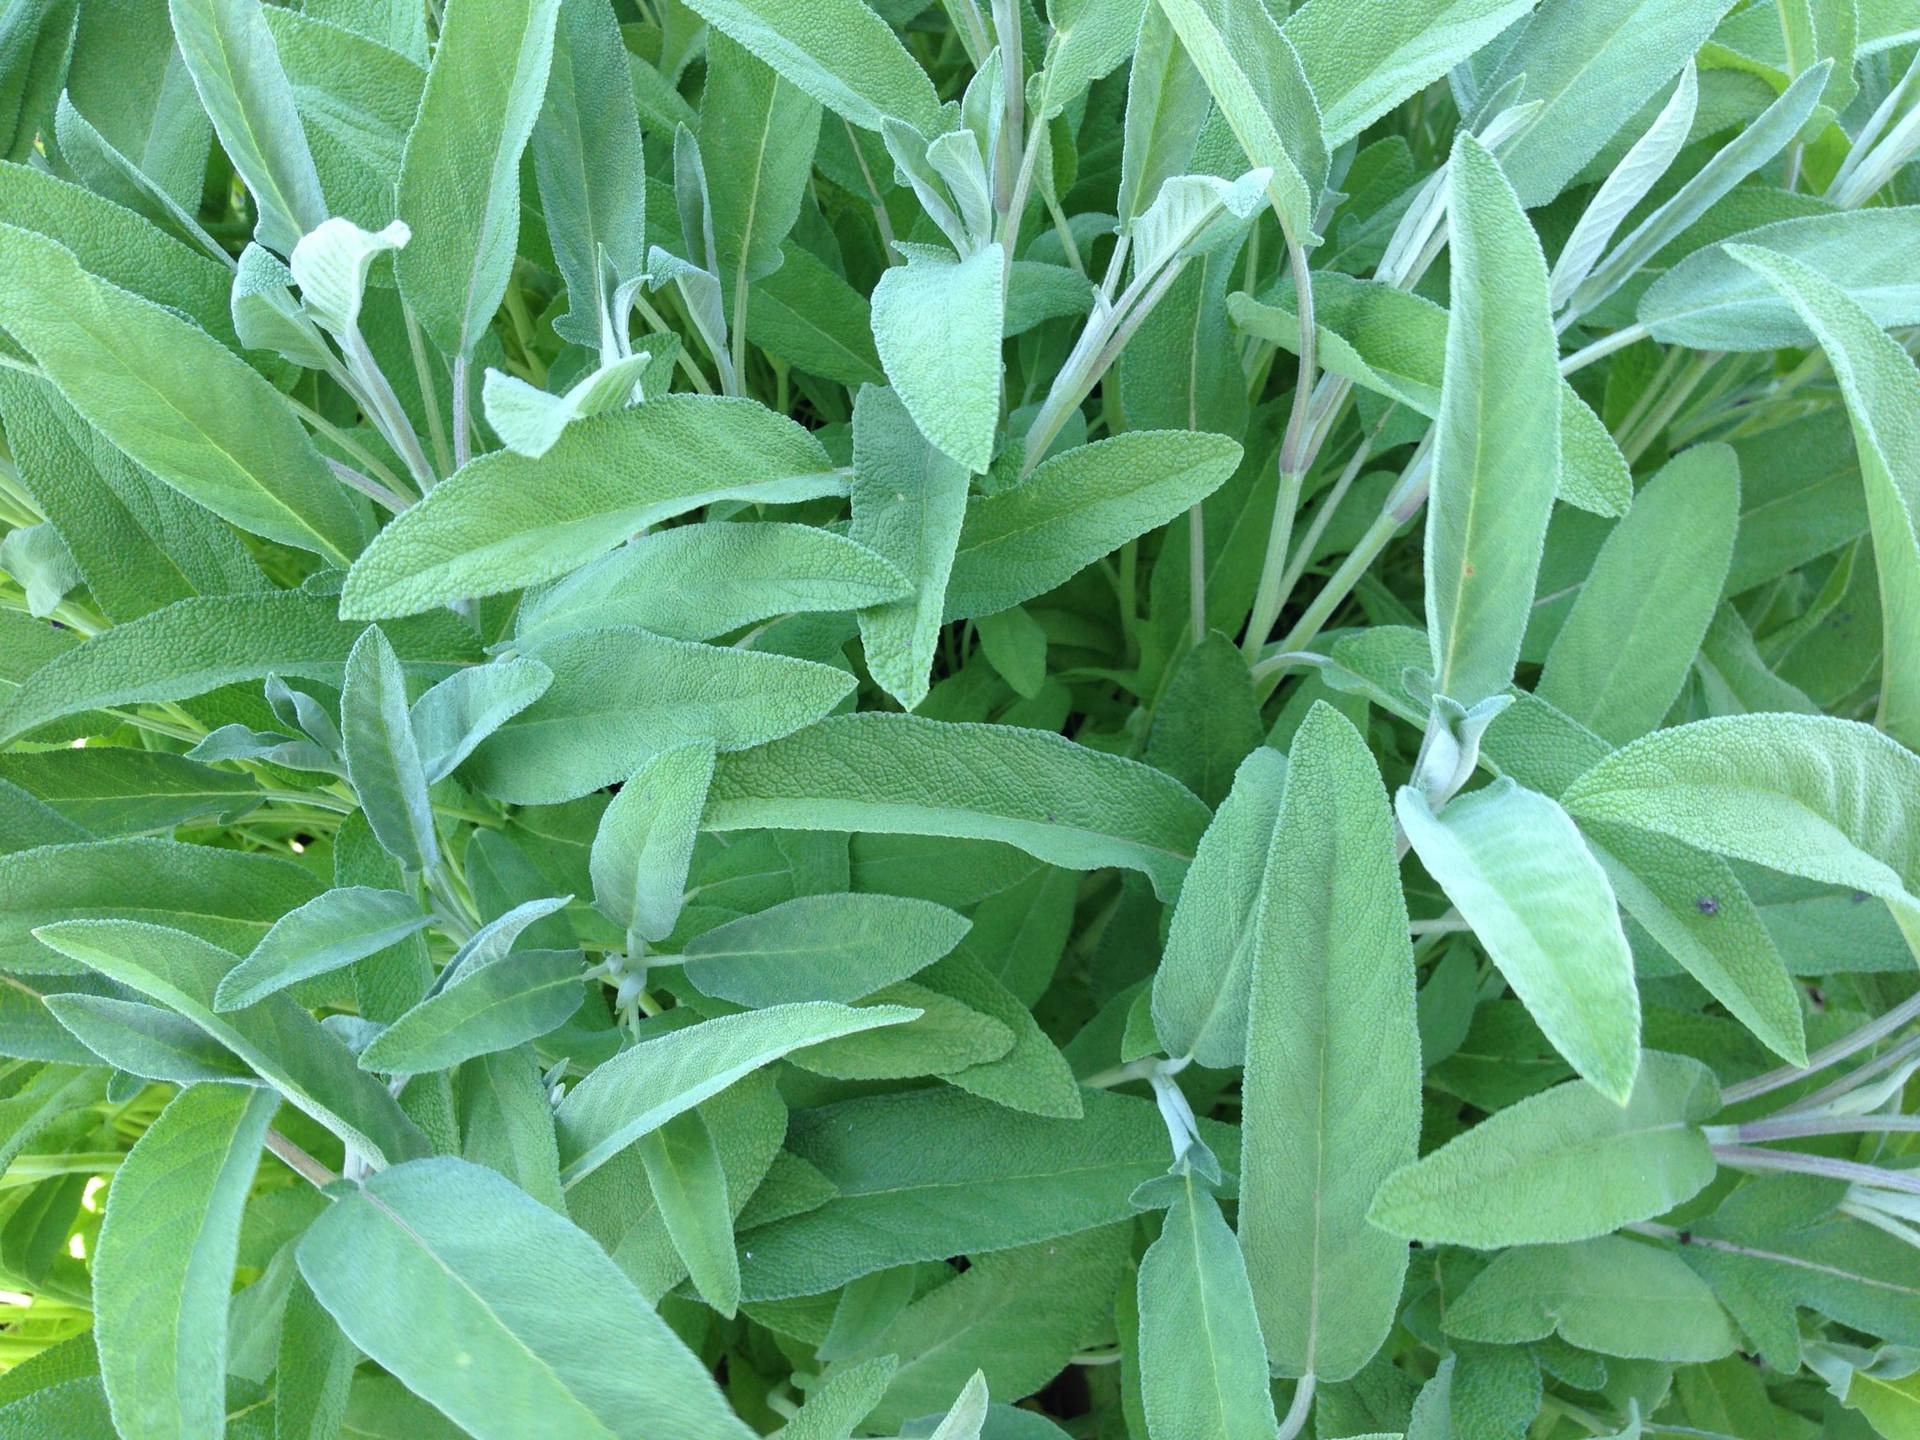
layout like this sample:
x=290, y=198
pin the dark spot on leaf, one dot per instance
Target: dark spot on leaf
x=1857, y=896
x=1707, y=905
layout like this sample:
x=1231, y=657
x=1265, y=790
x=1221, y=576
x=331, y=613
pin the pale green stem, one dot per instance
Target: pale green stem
x=429, y=392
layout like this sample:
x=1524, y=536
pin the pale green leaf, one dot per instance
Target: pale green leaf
x=1202, y=1365
x=899, y=774
x=163, y=1265
x=383, y=759
x=1564, y=1165
x=1514, y=864
x=327, y=932
x=460, y=177
x=645, y=841
x=1496, y=442
x=1629, y=642
x=526, y=1311
x=622, y=695
x=506, y=521
x=174, y=399
x=642, y=1088
x=489, y=1006
x=909, y=501
x=839, y=51
x=454, y=716
x=1077, y=507
x=821, y=947
x=690, y=1188
x=1331, y=1098
x=936, y=324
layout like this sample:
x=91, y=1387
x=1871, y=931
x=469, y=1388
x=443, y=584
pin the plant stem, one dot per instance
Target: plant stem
x=1297, y=1412
x=462, y=430
x=429, y=392
x=1795, y=1162
x=1850, y=1044
x=1604, y=346
x=1295, y=459
x=1197, y=573
x=1802, y=1127
x=297, y=1160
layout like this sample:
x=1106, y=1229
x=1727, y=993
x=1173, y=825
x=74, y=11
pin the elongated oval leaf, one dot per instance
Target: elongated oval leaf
x=383, y=760
x=695, y=582
x=1332, y=1093
x=487, y=1008
x=1075, y=508
x=1203, y=1368
x=621, y=695
x=1496, y=448
x=838, y=51
x=498, y=1269
x=509, y=520
x=276, y=1037
x=936, y=324
x=1515, y=865
x=642, y=1088
x=1628, y=644
x=469, y=705
x=460, y=179
x=1200, y=990
x=898, y=774
x=330, y=930
x=174, y=399
x=821, y=947
x=163, y=1268
x=1565, y=1165
x=195, y=645
x=645, y=841
x=1882, y=391
x=230, y=54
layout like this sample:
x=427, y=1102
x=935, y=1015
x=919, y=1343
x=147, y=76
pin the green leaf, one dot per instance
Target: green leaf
x=1003, y=1179
x=163, y=1265
x=1363, y=59
x=314, y=1369
x=174, y=399
x=821, y=947
x=383, y=760
x=1075, y=508
x=148, y=1041
x=228, y=897
x=909, y=501
x=460, y=177
x=645, y=842
x=690, y=1188
x=490, y=1005
x=1497, y=437
x=1695, y=907
x=838, y=1404
x=1167, y=103
x=620, y=696
x=1832, y=800
x=1203, y=1368
x=592, y=175
x=327, y=932
x=495, y=1268
x=1629, y=642
x=1609, y=1294
x=642, y=1088
x=280, y=1040
x=936, y=324
x=1591, y=66
x=1713, y=301
x=230, y=54
x=1516, y=867
x=757, y=135
x=453, y=717
x=899, y=774
x=1257, y=82
x=807, y=315
x=1564, y=1165
x=838, y=51
x=696, y=582
x=505, y=521
x=196, y=645
x=121, y=791
x=1331, y=1098
x=1200, y=990
x=1882, y=391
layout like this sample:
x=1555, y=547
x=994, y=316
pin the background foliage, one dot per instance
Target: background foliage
x=1175, y=719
